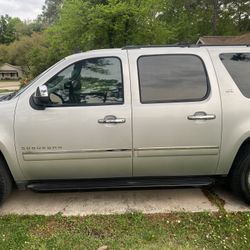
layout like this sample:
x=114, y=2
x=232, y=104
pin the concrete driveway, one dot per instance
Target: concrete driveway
x=117, y=202
x=9, y=85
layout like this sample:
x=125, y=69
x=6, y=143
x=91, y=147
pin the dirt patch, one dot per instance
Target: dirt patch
x=214, y=198
x=50, y=228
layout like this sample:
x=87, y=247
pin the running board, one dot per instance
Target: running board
x=119, y=183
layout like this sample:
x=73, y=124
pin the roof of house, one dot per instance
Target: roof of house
x=220, y=40
x=7, y=66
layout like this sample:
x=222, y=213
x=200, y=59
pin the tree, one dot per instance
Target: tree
x=112, y=23
x=3, y=53
x=30, y=52
x=51, y=11
x=73, y=25
x=7, y=30
x=239, y=12
x=12, y=29
x=187, y=18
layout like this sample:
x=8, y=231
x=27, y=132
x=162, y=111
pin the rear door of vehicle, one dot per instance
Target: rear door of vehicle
x=176, y=112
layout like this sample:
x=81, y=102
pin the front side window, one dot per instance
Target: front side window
x=95, y=81
x=172, y=78
x=238, y=66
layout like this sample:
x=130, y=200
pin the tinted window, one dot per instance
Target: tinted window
x=96, y=81
x=238, y=66
x=172, y=78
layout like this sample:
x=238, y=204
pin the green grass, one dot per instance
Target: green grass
x=9, y=80
x=4, y=90
x=129, y=231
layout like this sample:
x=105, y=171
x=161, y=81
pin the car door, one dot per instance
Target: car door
x=176, y=112
x=85, y=131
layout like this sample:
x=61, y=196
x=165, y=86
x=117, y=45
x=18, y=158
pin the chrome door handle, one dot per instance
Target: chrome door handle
x=201, y=116
x=111, y=119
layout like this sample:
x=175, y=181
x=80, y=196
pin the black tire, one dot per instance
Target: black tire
x=5, y=181
x=240, y=175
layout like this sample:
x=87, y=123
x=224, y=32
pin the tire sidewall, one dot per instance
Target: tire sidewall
x=243, y=174
x=5, y=181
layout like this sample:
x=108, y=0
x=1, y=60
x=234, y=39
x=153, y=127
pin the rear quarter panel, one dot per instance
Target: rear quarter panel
x=235, y=111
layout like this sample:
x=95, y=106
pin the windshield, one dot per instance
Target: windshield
x=20, y=91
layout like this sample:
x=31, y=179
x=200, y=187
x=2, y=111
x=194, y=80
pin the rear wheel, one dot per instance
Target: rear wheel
x=240, y=175
x=5, y=181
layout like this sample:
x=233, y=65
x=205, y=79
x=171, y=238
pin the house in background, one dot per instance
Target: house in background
x=10, y=72
x=220, y=40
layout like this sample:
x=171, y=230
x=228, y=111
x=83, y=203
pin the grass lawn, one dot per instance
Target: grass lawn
x=4, y=90
x=130, y=231
x=9, y=80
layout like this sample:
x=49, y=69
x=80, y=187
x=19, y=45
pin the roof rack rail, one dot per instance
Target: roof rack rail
x=182, y=45
x=160, y=46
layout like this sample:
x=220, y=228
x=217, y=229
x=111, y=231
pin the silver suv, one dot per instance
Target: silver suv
x=132, y=117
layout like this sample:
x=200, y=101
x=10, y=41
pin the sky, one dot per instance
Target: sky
x=24, y=9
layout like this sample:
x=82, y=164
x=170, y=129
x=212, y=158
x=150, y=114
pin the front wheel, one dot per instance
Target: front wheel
x=240, y=175
x=5, y=181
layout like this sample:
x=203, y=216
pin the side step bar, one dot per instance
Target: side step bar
x=119, y=183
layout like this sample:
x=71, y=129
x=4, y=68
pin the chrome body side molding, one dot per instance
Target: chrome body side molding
x=176, y=151
x=77, y=154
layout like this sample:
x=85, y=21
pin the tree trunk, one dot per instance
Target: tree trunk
x=215, y=17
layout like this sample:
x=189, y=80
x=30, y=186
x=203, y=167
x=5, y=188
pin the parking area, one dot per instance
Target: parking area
x=122, y=201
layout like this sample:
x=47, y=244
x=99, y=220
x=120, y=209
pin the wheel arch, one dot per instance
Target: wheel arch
x=11, y=164
x=6, y=166
x=244, y=145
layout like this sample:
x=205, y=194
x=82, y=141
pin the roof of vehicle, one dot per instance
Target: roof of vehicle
x=169, y=46
x=98, y=51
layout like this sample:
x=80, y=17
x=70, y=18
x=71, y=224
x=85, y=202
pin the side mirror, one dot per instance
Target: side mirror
x=41, y=97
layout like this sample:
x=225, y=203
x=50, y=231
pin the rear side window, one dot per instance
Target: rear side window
x=172, y=78
x=238, y=66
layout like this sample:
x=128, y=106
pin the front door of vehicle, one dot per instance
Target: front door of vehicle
x=176, y=113
x=85, y=131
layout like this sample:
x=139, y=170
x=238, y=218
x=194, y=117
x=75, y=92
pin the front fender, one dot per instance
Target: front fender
x=7, y=137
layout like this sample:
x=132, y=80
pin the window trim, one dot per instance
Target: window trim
x=180, y=100
x=89, y=105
